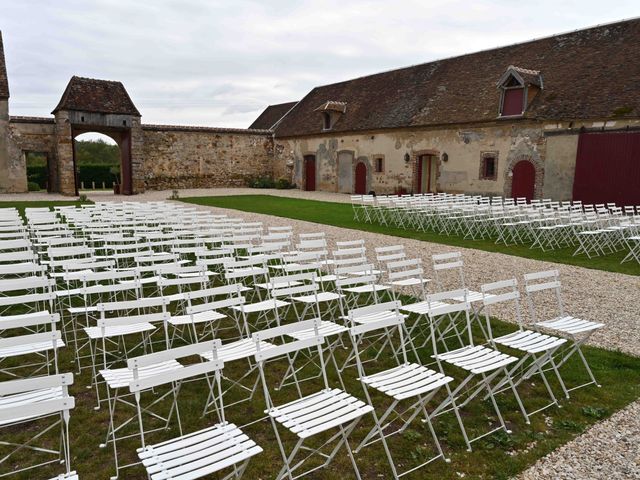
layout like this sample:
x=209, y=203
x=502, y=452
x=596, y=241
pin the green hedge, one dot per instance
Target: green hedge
x=37, y=174
x=87, y=174
x=96, y=173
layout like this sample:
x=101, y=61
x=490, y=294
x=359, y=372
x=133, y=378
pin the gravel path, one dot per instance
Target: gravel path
x=609, y=450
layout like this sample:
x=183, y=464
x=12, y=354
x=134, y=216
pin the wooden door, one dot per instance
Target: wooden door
x=310, y=173
x=345, y=172
x=361, y=178
x=524, y=180
x=608, y=168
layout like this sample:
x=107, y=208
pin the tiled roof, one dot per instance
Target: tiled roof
x=99, y=96
x=271, y=115
x=4, y=82
x=587, y=74
x=333, y=105
x=194, y=128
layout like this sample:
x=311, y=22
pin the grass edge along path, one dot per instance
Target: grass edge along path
x=341, y=215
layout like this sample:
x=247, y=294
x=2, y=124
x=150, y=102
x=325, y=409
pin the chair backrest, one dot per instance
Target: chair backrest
x=62, y=404
x=264, y=355
x=37, y=335
x=502, y=292
x=444, y=262
x=449, y=303
x=540, y=282
x=176, y=376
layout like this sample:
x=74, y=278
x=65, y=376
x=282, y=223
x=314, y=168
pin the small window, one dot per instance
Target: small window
x=488, y=166
x=379, y=164
x=326, y=121
x=512, y=102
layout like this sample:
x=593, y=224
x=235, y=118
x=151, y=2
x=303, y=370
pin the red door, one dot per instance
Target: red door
x=524, y=180
x=361, y=178
x=310, y=173
x=419, y=175
x=607, y=168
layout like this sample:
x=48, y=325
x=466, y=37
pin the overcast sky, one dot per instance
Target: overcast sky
x=219, y=63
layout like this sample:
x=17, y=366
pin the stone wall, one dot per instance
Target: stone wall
x=551, y=149
x=29, y=134
x=199, y=157
x=5, y=183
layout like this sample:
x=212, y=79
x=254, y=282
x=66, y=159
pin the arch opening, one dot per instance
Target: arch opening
x=102, y=161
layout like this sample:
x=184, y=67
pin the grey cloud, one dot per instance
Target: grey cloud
x=213, y=62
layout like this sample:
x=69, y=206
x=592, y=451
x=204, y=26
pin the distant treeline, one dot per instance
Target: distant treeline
x=97, y=161
x=88, y=152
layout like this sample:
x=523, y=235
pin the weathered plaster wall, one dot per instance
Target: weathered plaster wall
x=192, y=157
x=461, y=173
x=551, y=148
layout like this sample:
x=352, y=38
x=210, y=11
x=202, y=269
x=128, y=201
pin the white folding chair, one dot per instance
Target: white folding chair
x=409, y=385
x=577, y=330
x=218, y=448
x=538, y=349
x=26, y=401
x=310, y=415
x=481, y=364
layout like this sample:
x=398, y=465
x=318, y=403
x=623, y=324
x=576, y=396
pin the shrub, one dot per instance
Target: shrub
x=284, y=184
x=175, y=195
x=37, y=174
x=33, y=187
x=97, y=173
x=262, y=182
x=83, y=198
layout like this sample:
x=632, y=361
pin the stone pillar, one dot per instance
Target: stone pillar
x=64, y=150
x=137, y=160
x=4, y=145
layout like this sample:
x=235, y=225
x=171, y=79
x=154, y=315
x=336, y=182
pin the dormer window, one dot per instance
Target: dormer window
x=331, y=112
x=326, y=121
x=518, y=86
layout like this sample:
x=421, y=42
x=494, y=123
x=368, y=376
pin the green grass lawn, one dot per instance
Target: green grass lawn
x=341, y=215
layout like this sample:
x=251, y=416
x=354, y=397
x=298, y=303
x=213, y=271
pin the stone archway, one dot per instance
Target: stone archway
x=100, y=106
x=538, y=165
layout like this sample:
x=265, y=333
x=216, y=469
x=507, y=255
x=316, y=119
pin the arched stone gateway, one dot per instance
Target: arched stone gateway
x=89, y=105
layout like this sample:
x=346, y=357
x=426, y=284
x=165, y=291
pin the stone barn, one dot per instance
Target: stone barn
x=557, y=118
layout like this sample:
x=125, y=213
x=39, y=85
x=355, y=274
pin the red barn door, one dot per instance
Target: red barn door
x=361, y=178
x=608, y=168
x=524, y=180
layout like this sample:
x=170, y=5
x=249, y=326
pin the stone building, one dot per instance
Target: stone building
x=557, y=117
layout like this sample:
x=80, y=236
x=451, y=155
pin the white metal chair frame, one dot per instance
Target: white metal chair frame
x=407, y=382
x=334, y=409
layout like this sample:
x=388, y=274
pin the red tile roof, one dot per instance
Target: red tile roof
x=98, y=96
x=4, y=83
x=589, y=73
x=271, y=115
